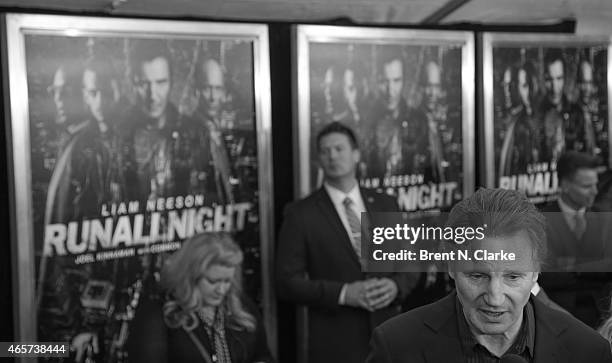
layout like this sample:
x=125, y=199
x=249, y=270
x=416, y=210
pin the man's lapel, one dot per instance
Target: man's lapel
x=369, y=201
x=327, y=208
x=447, y=344
x=547, y=343
x=443, y=321
x=561, y=234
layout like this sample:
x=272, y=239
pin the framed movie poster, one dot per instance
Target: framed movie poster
x=543, y=94
x=409, y=97
x=127, y=138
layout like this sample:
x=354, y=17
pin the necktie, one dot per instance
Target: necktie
x=580, y=225
x=354, y=223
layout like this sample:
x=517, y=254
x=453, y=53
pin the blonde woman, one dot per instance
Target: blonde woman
x=204, y=317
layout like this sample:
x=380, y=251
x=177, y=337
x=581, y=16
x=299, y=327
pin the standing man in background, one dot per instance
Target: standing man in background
x=577, y=236
x=318, y=261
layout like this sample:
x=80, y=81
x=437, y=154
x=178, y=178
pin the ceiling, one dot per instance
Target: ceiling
x=592, y=16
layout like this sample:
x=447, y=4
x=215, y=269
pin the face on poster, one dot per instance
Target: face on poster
x=405, y=102
x=547, y=97
x=136, y=144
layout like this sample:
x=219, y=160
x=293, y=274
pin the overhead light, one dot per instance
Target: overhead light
x=72, y=32
x=116, y=3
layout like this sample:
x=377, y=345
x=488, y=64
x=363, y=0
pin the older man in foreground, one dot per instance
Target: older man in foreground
x=492, y=316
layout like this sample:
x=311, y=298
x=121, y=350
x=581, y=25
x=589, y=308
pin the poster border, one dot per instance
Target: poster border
x=490, y=40
x=18, y=143
x=306, y=34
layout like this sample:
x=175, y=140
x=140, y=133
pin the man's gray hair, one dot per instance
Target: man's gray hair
x=505, y=213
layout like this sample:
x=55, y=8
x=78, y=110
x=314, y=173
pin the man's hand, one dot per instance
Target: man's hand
x=356, y=294
x=380, y=293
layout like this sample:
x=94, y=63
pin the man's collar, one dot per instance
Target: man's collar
x=525, y=338
x=565, y=208
x=337, y=196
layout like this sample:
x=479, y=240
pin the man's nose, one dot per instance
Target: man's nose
x=387, y=88
x=494, y=295
x=154, y=91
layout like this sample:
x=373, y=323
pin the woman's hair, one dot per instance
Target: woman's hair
x=606, y=328
x=183, y=271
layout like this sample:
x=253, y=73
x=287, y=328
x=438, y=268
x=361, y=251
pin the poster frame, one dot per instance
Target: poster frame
x=19, y=147
x=304, y=35
x=489, y=41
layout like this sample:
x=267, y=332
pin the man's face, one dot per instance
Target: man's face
x=392, y=83
x=97, y=94
x=337, y=157
x=506, y=88
x=585, y=83
x=553, y=81
x=349, y=88
x=493, y=293
x=433, y=89
x=328, y=81
x=64, y=97
x=213, y=87
x=523, y=87
x=153, y=86
x=580, y=191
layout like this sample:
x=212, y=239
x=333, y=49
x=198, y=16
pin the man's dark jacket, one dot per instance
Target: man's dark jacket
x=430, y=334
x=315, y=258
x=585, y=291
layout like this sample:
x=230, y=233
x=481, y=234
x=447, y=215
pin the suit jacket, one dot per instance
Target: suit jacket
x=315, y=259
x=584, y=294
x=544, y=299
x=430, y=334
x=562, y=242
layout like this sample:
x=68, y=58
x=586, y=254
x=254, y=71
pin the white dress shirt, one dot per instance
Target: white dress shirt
x=337, y=197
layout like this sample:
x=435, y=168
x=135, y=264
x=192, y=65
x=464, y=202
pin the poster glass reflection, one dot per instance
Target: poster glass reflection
x=128, y=137
x=407, y=94
x=543, y=95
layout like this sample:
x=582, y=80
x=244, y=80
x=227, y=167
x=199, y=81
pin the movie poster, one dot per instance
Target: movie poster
x=405, y=95
x=543, y=95
x=138, y=141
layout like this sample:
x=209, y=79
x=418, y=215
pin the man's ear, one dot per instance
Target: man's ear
x=451, y=273
x=535, y=276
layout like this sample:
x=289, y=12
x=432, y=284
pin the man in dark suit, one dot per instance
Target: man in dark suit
x=579, y=241
x=318, y=260
x=492, y=315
